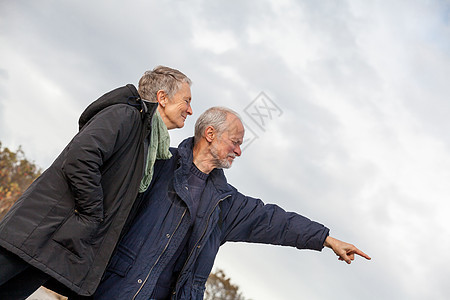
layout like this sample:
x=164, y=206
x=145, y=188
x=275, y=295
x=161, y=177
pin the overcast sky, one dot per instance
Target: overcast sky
x=346, y=105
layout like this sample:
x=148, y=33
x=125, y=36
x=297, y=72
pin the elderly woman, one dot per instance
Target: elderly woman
x=65, y=226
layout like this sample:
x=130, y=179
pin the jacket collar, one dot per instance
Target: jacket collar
x=217, y=176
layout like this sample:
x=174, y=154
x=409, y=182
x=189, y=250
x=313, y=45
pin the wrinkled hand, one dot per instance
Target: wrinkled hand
x=343, y=250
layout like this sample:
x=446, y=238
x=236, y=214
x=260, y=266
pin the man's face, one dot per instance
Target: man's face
x=178, y=107
x=227, y=146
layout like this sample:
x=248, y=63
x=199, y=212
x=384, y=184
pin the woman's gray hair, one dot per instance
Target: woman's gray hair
x=215, y=117
x=161, y=78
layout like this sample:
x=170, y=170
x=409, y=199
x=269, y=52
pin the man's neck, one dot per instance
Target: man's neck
x=202, y=158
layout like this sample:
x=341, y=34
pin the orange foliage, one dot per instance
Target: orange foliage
x=16, y=174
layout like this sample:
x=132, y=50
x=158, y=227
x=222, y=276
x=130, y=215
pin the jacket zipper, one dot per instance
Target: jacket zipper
x=157, y=260
x=201, y=237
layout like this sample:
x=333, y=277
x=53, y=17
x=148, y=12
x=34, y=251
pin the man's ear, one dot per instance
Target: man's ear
x=161, y=97
x=210, y=133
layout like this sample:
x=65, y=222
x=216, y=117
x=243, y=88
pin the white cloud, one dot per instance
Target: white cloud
x=35, y=111
x=215, y=41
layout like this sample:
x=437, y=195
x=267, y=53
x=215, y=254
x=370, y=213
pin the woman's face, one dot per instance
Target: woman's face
x=177, y=108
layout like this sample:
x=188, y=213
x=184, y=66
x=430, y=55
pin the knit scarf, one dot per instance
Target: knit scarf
x=158, y=149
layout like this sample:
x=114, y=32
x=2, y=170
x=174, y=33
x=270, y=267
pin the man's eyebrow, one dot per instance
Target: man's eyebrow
x=237, y=140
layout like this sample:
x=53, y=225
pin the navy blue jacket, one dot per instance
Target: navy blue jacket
x=224, y=215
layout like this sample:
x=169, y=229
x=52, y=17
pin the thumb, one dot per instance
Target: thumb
x=344, y=257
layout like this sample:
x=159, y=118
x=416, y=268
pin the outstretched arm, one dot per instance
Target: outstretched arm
x=344, y=250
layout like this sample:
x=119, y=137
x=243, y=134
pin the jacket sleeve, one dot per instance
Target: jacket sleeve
x=90, y=149
x=250, y=220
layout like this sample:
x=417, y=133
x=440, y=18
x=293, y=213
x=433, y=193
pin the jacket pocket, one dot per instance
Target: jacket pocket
x=122, y=261
x=198, y=287
x=76, y=234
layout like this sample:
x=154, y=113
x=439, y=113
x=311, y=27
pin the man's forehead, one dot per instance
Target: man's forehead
x=235, y=126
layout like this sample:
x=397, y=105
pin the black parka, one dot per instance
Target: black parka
x=69, y=220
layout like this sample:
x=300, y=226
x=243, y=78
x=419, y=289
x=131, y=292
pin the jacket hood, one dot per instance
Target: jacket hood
x=185, y=150
x=126, y=95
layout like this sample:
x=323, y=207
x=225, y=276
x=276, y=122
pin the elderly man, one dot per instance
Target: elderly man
x=65, y=227
x=190, y=210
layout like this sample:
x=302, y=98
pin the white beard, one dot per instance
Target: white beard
x=219, y=163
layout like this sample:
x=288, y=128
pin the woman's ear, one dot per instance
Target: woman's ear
x=161, y=97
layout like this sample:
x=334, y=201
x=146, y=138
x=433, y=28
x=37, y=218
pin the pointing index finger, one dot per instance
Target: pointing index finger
x=359, y=252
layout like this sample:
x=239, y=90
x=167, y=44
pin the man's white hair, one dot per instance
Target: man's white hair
x=216, y=117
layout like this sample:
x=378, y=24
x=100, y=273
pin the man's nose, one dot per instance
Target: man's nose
x=237, y=150
x=189, y=110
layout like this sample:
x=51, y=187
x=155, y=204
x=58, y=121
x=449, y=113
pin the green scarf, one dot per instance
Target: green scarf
x=158, y=149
